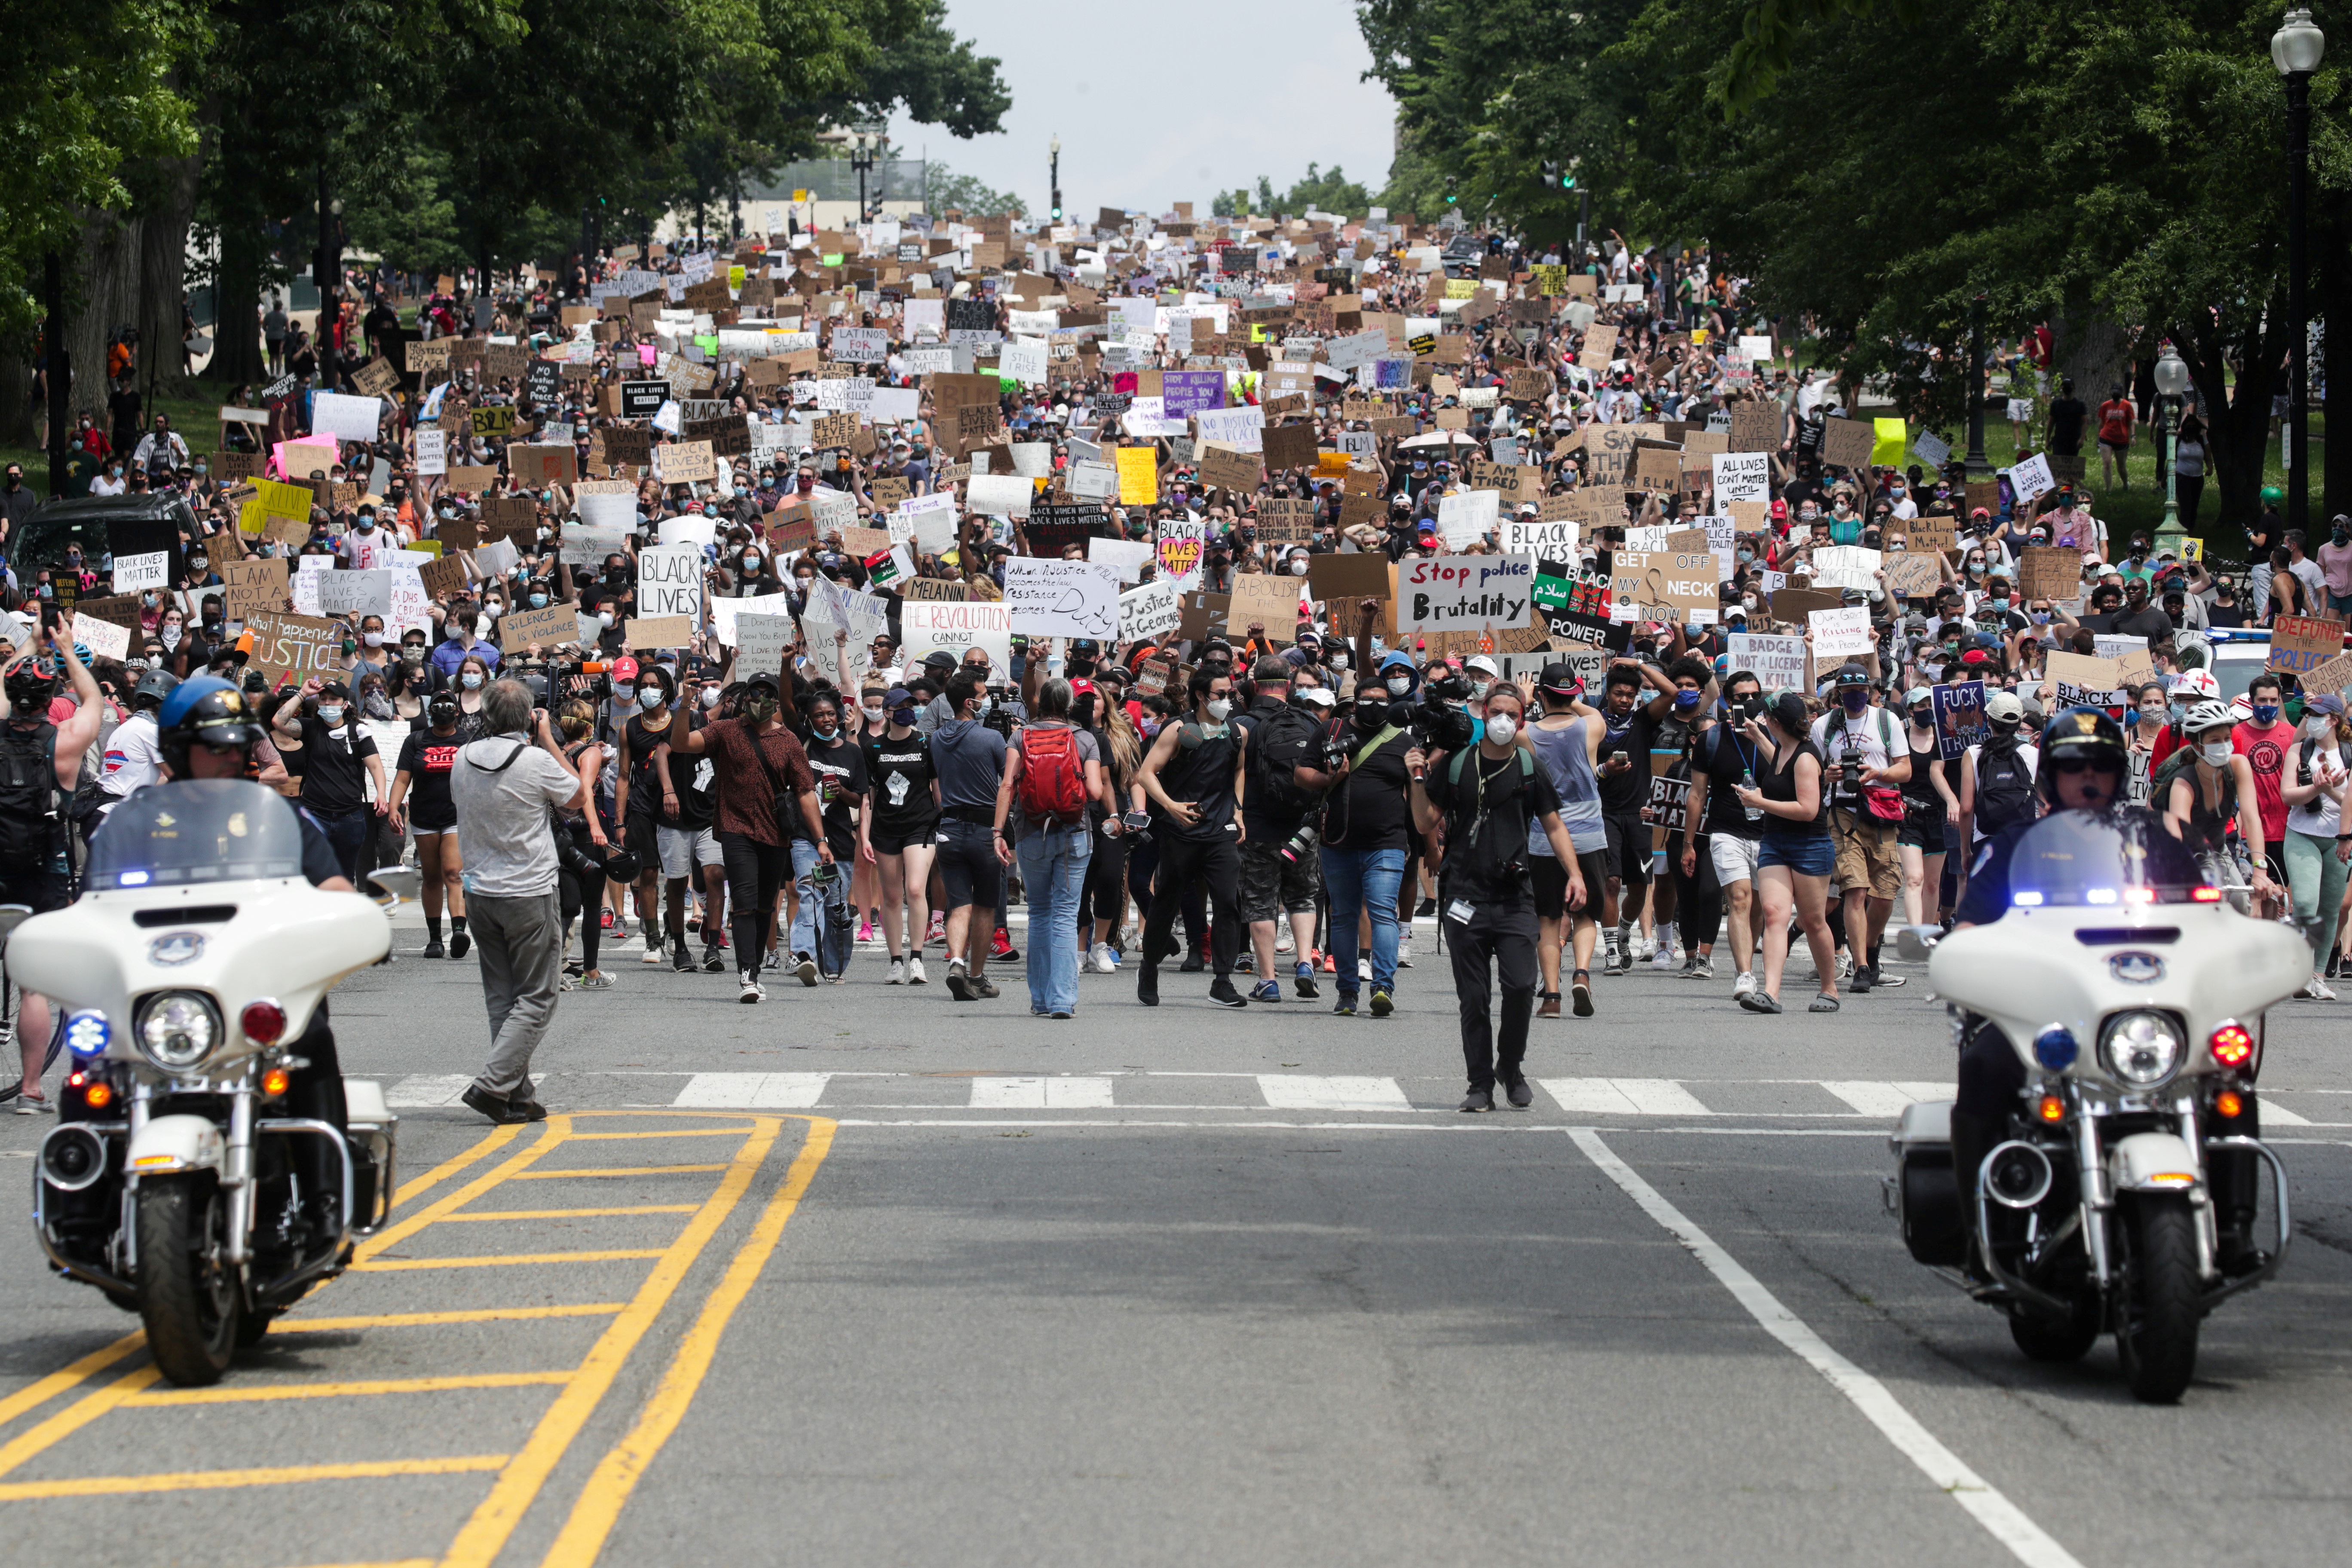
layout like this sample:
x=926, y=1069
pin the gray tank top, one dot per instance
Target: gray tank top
x=1565, y=757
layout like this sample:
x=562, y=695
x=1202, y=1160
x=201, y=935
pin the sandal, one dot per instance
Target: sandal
x=1547, y=1004
x=1581, y=987
x=1824, y=1002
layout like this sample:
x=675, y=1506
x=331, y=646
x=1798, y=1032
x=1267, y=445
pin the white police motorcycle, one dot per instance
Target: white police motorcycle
x=2122, y=1194
x=185, y=978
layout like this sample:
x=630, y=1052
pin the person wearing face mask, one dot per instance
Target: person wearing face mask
x=968, y=761
x=2207, y=788
x=338, y=757
x=751, y=572
x=368, y=545
x=368, y=651
x=1630, y=726
x=2317, y=845
x=471, y=683
x=420, y=805
x=2264, y=741
x=821, y=936
x=465, y=626
x=1493, y=796
x=1864, y=765
x=644, y=796
x=1193, y=774
x=1566, y=739
x=905, y=819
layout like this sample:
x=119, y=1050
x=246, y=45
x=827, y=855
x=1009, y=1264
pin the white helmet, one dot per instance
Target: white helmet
x=2191, y=684
x=2209, y=714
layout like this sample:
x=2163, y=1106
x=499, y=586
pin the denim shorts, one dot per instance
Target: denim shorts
x=1806, y=854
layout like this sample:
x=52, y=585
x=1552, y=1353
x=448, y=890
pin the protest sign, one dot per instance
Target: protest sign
x=1841, y=634
x=2084, y=679
x=1845, y=566
x=2050, y=571
x=1139, y=476
x=1960, y=720
x=956, y=628
x=2332, y=676
x=103, y=638
x=299, y=646
x=1779, y=662
x=345, y=417
x=1847, y=443
x=1227, y=470
x=255, y=587
x=1267, y=600
x=1754, y=427
x=670, y=581
x=1147, y=612
x=2297, y=642
x=1912, y=575
x=1553, y=541
x=1182, y=543
x=1465, y=517
x=1465, y=593
x=550, y=627
x=1128, y=557
x=1586, y=643
x=1741, y=476
x=761, y=644
x=355, y=593
x=660, y=632
x=1061, y=598
x=555, y=464
x=151, y=568
x=1000, y=495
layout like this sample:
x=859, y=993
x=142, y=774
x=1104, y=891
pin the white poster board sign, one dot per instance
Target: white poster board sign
x=1061, y=598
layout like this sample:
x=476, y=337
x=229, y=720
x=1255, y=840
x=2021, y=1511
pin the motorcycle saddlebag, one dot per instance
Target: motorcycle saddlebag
x=1926, y=1192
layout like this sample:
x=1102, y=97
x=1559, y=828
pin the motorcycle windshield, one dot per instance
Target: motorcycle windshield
x=2122, y=856
x=204, y=830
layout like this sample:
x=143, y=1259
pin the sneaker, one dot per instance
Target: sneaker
x=938, y=930
x=1845, y=964
x=595, y=980
x=681, y=959
x=914, y=969
x=1884, y=980
x=1305, y=979
x=1859, y=980
x=1195, y=963
x=1284, y=942
x=983, y=988
x=1744, y=984
x=1363, y=969
x=494, y=1106
x=713, y=960
x=1330, y=965
x=608, y=918
x=1002, y=949
x=1662, y=956
x=35, y=1105
x=1615, y=963
x=897, y=975
x=1520, y=1095
x=460, y=944
x=1222, y=992
x=1428, y=907
x=1404, y=953
x=805, y=967
x=865, y=931
x=1264, y=991
x=1478, y=1100
x=1643, y=948
x=2317, y=990
x=652, y=954
x=1383, y=1002
x=434, y=949
x=1345, y=1007
x=959, y=983
x=752, y=992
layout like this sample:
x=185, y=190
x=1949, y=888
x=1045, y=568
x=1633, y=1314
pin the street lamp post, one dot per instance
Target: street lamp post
x=2296, y=49
x=861, y=158
x=1979, y=467
x=2171, y=385
x=1054, y=156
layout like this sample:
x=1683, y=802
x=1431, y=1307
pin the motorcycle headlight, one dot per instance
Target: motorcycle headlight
x=178, y=1029
x=2142, y=1049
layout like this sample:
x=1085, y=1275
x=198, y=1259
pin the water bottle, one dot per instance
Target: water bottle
x=1747, y=781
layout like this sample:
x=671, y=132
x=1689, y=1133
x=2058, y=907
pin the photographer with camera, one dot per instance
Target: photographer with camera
x=1488, y=794
x=1288, y=773
x=1194, y=776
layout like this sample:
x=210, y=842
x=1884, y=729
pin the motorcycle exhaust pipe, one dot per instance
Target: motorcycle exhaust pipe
x=72, y=1158
x=2017, y=1176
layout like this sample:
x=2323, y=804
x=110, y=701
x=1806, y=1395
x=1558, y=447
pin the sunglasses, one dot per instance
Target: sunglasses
x=2079, y=765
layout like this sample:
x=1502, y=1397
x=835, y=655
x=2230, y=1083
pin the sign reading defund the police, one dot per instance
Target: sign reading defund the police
x=1465, y=593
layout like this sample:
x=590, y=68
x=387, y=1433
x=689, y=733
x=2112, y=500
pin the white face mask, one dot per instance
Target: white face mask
x=873, y=711
x=1502, y=729
x=2319, y=727
x=711, y=697
x=1217, y=709
x=650, y=698
x=604, y=619
x=1298, y=568
x=374, y=640
x=2217, y=753
x=1400, y=684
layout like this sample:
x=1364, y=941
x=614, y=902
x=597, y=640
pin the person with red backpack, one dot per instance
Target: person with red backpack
x=1052, y=772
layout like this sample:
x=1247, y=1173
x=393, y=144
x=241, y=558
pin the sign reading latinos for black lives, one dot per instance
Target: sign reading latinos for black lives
x=1465, y=593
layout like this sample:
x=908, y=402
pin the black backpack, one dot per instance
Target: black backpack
x=29, y=799
x=1291, y=734
x=2004, y=787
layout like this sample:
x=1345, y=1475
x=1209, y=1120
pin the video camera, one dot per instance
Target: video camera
x=1437, y=724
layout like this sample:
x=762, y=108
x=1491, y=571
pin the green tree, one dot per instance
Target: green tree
x=952, y=192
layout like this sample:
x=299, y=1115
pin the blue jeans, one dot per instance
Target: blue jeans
x=830, y=945
x=1355, y=879
x=348, y=835
x=1054, y=872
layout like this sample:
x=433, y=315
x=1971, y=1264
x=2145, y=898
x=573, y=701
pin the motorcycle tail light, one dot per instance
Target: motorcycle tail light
x=2204, y=895
x=264, y=1022
x=2228, y=1105
x=2232, y=1044
x=2051, y=1109
x=274, y=1081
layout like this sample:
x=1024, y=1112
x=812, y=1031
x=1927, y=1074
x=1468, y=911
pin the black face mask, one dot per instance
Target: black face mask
x=1371, y=716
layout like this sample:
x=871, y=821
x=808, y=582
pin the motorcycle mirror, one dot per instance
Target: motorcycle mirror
x=11, y=917
x=1914, y=944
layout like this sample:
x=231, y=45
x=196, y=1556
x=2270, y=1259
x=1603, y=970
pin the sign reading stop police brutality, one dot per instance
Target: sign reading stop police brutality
x=1465, y=593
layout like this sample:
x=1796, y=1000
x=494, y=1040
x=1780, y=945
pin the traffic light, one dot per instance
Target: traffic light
x=1057, y=212
x=1553, y=172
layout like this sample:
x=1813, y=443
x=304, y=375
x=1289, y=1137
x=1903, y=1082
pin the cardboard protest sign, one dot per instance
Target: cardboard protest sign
x=2332, y=676
x=1675, y=584
x=1267, y=600
x=1228, y=469
x=1061, y=598
x=2299, y=643
x=2081, y=678
x=1912, y=575
x=550, y=465
x=284, y=647
x=935, y=590
x=1757, y=427
x=1847, y=443
x=255, y=587
x=1961, y=720
x=2050, y=571
x=1203, y=615
x=550, y=627
x=660, y=632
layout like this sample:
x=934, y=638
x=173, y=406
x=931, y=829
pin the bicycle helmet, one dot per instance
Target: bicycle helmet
x=2211, y=714
x=154, y=689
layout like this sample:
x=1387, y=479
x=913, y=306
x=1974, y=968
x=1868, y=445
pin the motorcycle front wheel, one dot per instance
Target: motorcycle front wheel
x=2057, y=1338
x=188, y=1294
x=2161, y=1307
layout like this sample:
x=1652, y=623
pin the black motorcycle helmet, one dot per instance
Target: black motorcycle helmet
x=2080, y=735
x=206, y=712
x=30, y=689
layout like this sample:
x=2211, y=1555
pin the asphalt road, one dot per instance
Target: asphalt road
x=865, y=1275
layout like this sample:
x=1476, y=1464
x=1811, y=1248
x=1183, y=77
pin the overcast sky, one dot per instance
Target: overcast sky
x=1155, y=106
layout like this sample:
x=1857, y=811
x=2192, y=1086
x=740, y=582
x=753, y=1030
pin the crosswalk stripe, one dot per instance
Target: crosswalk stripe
x=418, y=1090
x=1878, y=1099
x=1624, y=1097
x=1290, y=1091
x=753, y=1090
x=2277, y=1115
x=1082, y=1093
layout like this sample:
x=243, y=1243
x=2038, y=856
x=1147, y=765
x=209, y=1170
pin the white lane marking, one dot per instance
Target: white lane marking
x=420, y=1090
x=1076, y=1093
x=2275, y=1115
x=2008, y=1524
x=1624, y=1097
x=1888, y=1099
x=752, y=1090
x=1288, y=1091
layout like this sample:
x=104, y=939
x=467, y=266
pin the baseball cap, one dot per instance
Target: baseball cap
x=2004, y=705
x=1317, y=696
x=1852, y=675
x=1561, y=678
x=1779, y=511
x=1484, y=665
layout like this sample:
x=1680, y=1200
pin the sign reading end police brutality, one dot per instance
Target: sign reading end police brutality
x=1465, y=593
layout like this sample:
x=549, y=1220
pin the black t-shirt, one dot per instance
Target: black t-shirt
x=427, y=759
x=1259, y=812
x=839, y=765
x=332, y=766
x=1625, y=793
x=1725, y=759
x=1373, y=808
x=901, y=773
x=696, y=780
x=2066, y=416
x=1486, y=815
